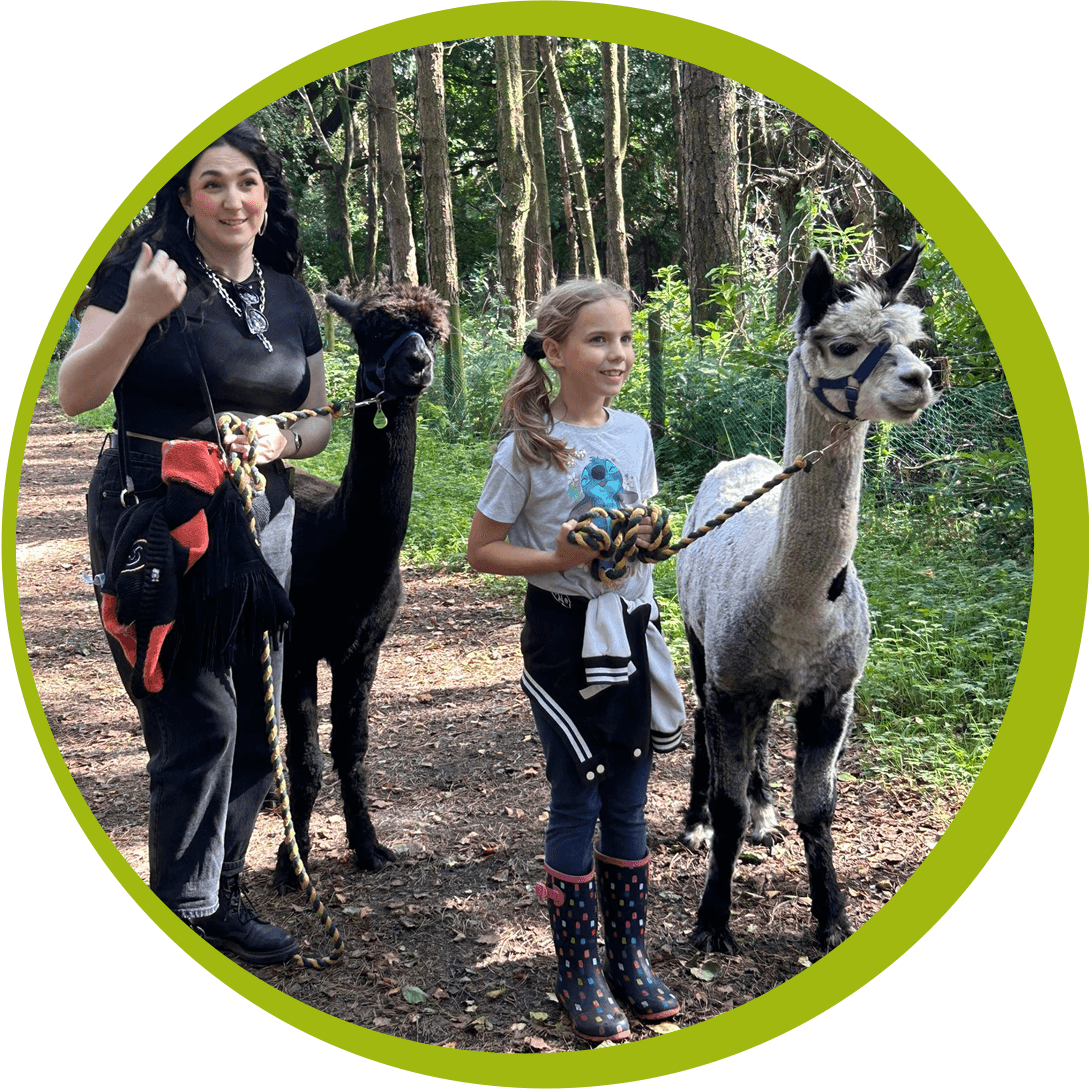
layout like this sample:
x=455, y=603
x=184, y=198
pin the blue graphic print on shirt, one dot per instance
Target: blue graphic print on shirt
x=600, y=485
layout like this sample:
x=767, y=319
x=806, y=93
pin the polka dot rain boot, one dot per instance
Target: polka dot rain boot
x=580, y=982
x=623, y=891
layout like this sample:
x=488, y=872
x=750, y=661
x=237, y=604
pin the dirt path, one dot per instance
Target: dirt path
x=450, y=946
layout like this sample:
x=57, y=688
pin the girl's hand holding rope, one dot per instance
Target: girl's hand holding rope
x=644, y=534
x=634, y=533
x=642, y=528
x=568, y=538
x=571, y=552
x=626, y=534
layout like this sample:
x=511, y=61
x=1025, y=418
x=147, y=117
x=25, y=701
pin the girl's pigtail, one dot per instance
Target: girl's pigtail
x=526, y=409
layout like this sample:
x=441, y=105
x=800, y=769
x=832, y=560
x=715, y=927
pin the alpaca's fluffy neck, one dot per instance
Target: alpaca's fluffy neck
x=375, y=492
x=818, y=514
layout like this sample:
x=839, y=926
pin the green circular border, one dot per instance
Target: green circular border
x=1060, y=576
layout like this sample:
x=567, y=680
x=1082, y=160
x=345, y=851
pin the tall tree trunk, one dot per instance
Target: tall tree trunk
x=398, y=215
x=614, y=90
x=565, y=126
x=894, y=227
x=442, y=258
x=656, y=373
x=373, y=198
x=794, y=241
x=571, y=228
x=540, y=275
x=713, y=214
x=682, y=257
x=340, y=167
x=514, y=172
x=794, y=198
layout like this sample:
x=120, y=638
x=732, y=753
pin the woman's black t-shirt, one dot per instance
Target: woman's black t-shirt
x=162, y=395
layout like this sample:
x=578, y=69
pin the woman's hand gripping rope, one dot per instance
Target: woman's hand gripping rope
x=249, y=443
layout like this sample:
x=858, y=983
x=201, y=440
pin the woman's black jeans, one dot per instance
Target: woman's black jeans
x=209, y=759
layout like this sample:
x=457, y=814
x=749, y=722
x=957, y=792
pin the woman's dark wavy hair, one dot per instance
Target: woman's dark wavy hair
x=277, y=248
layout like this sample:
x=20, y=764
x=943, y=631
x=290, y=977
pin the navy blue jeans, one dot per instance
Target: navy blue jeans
x=209, y=763
x=616, y=802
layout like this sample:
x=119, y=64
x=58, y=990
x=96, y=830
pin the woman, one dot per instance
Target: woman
x=214, y=270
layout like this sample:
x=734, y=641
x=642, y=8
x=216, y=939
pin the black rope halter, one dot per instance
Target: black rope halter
x=377, y=384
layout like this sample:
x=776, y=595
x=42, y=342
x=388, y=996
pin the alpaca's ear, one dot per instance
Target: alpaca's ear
x=347, y=310
x=900, y=275
x=817, y=290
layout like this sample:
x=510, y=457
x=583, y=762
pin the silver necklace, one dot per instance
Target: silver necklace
x=253, y=308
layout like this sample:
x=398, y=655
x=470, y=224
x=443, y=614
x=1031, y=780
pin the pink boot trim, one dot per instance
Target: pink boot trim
x=550, y=892
x=620, y=862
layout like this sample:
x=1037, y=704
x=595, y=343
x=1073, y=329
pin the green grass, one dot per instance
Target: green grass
x=948, y=625
x=97, y=419
x=449, y=476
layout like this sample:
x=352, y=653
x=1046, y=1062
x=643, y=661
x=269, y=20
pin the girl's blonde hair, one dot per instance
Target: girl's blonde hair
x=526, y=404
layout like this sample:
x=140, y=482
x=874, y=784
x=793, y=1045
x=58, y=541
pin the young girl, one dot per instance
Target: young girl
x=596, y=668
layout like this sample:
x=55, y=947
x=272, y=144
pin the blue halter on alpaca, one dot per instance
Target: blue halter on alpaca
x=850, y=392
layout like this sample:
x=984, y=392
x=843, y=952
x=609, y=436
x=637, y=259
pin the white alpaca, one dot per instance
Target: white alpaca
x=772, y=605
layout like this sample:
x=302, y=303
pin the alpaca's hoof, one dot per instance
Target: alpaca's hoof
x=765, y=827
x=714, y=938
x=376, y=858
x=835, y=933
x=284, y=880
x=769, y=837
x=699, y=836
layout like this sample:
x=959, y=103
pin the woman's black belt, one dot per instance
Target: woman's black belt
x=146, y=444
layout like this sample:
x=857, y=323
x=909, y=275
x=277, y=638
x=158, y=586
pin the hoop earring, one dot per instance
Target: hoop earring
x=190, y=230
x=264, y=224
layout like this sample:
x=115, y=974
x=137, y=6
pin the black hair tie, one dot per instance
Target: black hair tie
x=534, y=346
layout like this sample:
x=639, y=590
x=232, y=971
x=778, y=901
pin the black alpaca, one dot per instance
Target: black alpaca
x=346, y=580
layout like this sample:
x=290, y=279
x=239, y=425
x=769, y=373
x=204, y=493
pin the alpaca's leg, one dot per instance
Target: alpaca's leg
x=697, y=819
x=350, y=705
x=823, y=721
x=765, y=824
x=299, y=721
x=731, y=727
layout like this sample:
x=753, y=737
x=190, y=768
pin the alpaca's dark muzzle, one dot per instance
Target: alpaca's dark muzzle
x=407, y=366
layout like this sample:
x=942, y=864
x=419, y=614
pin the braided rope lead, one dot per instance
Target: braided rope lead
x=248, y=480
x=618, y=542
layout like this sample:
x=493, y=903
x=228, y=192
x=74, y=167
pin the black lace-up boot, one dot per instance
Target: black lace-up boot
x=236, y=928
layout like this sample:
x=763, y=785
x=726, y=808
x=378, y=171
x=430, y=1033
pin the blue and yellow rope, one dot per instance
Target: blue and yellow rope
x=618, y=543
